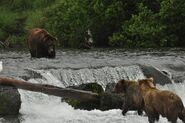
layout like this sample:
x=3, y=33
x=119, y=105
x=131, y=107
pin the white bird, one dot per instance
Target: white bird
x=1, y=66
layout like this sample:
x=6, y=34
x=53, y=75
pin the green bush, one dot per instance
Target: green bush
x=115, y=23
x=142, y=30
x=109, y=15
x=19, y=16
x=7, y=22
x=172, y=15
x=69, y=21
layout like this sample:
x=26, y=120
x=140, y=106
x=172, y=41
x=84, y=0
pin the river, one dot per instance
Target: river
x=74, y=67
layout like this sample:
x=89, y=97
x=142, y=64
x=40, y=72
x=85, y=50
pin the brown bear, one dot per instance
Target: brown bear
x=41, y=43
x=158, y=102
x=134, y=99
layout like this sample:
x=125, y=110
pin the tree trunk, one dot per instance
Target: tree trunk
x=83, y=96
x=77, y=98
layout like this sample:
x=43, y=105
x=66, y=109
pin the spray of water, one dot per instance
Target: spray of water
x=41, y=108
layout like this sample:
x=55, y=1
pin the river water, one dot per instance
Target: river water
x=74, y=67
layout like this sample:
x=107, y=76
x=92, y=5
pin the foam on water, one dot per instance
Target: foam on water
x=1, y=66
x=41, y=108
x=76, y=67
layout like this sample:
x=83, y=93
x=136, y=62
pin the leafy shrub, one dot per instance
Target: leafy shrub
x=172, y=15
x=68, y=20
x=142, y=30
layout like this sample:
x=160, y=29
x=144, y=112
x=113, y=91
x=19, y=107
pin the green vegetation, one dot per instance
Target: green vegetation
x=113, y=23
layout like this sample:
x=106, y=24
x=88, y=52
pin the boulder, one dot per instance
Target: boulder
x=108, y=99
x=111, y=101
x=93, y=87
x=159, y=76
x=10, y=101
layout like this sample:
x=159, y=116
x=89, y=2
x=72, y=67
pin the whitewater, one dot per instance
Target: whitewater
x=77, y=67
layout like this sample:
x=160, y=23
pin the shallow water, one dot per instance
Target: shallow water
x=72, y=67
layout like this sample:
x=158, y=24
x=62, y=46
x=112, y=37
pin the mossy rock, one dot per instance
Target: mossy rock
x=10, y=101
x=111, y=101
x=93, y=87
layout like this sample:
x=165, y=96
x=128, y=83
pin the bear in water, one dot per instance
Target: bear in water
x=41, y=43
x=158, y=102
x=134, y=99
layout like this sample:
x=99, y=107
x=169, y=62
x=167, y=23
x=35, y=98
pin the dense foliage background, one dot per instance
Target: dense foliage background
x=113, y=23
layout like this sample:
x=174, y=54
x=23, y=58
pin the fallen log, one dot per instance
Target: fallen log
x=83, y=96
x=82, y=99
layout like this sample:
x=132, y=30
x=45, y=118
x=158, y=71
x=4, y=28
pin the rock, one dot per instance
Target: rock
x=94, y=87
x=159, y=76
x=10, y=101
x=11, y=119
x=107, y=100
x=111, y=101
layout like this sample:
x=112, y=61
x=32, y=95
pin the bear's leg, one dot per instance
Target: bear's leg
x=141, y=107
x=172, y=119
x=33, y=53
x=151, y=115
x=124, y=112
x=125, y=108
x=157, y=117
x=140, y=111
x=182, y=117
x=151, y=119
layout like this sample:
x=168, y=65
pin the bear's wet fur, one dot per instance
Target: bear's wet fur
x=41, y=43
x=133, y=95
x=161, y=102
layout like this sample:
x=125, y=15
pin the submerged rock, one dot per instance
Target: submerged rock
x=93, y=87
x=10, y=101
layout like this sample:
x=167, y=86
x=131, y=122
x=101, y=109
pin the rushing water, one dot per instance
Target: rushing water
x=73, y=67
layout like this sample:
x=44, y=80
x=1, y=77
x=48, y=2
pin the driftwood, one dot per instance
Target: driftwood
x=84, y=96
x=82, y=99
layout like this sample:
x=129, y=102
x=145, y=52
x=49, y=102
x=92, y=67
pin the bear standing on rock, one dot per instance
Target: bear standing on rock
x=134, y=99
x=158, y=102
x=41, y=43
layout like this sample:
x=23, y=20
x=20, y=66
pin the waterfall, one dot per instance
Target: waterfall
x=102, y=76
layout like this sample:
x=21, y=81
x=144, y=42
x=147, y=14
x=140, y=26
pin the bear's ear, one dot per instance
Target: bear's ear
x=151, y=84
x=151, y=79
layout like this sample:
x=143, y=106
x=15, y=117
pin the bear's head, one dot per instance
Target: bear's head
x=146, y=83
x=49, y=45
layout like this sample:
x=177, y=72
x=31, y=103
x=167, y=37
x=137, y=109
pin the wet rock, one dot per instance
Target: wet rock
x=111, y=101
x=159, y=76
x=10, y=100
x=108, y=99
x=11, y=119
x=94, y=87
